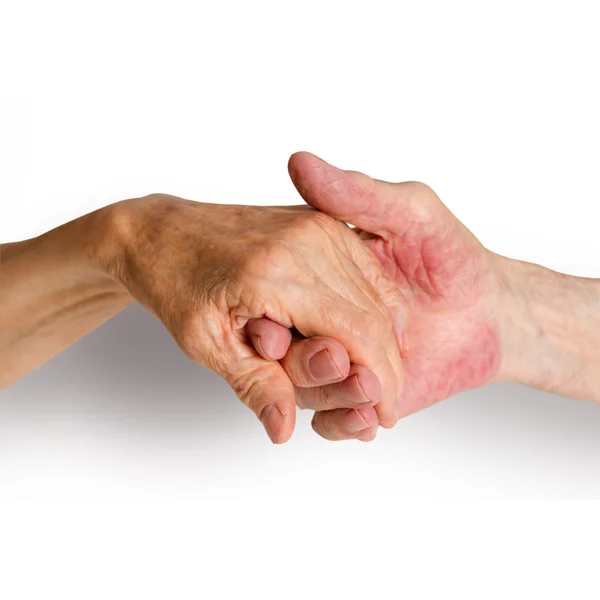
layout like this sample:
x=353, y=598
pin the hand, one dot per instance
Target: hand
x=411, y=280
x=205, y=270
x=450, y=333
x=343, y=395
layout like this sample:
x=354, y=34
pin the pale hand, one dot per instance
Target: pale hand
x=469, y=316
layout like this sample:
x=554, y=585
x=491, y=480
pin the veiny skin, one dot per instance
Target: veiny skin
x=468, y=316
x=205, y=270
x=446, y=329
x=388, y=318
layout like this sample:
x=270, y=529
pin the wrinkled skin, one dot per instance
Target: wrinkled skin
x=450, y=334
x=294, y=308
x=206, y=270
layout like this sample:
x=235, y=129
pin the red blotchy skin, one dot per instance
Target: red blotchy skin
x=450, y=339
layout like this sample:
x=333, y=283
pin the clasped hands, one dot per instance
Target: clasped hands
x=293, y=307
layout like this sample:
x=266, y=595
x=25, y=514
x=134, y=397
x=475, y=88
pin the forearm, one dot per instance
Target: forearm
x=551, y=330
x=53, y=291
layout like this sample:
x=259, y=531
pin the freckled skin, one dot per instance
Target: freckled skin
x=230, y=281
x=207, y=270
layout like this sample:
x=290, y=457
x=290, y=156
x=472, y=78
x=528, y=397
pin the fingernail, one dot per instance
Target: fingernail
x=322, y=367
x=369, y=387
x=355, y=422
x=272, y=420
x=264, y=346
x=258, y=342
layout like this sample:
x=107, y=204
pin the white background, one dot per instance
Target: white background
x=126, y=471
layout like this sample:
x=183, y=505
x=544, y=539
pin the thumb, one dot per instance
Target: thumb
x=262, y=385
x=348, y=196
x=265, y=388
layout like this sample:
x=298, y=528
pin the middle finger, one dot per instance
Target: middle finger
x=360, y=388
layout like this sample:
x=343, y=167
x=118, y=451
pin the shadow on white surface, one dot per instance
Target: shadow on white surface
x=125, y=399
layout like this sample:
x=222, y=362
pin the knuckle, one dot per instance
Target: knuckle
x=251, y=388
x=300, y=400
x=326, y=397
x=271, y=260
x=321, y=426
x=293, y=370
x=159, y=197
x=318, y=398
x=313, y=224
x=254, y=386
x=320, y=221
x=245, y=385
x=420, y=189
x=388, y=422
x=421, y=196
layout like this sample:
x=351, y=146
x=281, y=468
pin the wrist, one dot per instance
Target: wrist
x=53, y=291
x=518, y=325
x=550, y=329
x=88, y=244
x=103, y=249
x=128, y=250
